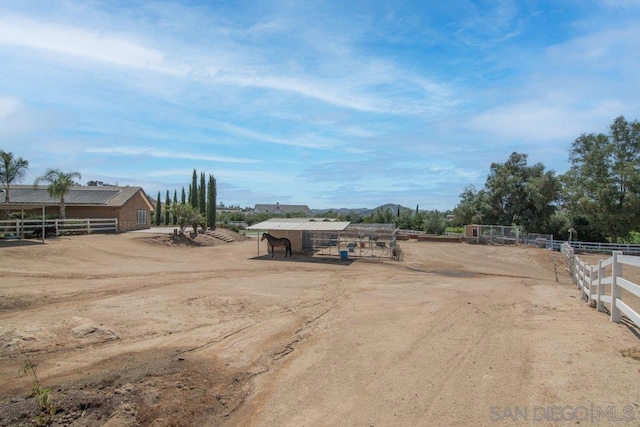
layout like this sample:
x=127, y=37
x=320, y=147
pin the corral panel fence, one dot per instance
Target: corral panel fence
x=19, y=228
x=605, y=283
x=512, y=235
x=595, y=247
x=359, y=240
x=416, y=233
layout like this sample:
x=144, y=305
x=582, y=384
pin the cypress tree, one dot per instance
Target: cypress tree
x=183, y=196
x=158, y=209
x=175, y=203
x=211, y=202
x=194, y=190
x=202, y=197
x=167, y=203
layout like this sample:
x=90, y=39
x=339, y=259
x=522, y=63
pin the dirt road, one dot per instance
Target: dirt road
x=129, y=331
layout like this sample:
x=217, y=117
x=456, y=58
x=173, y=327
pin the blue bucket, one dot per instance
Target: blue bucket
x=344, y=255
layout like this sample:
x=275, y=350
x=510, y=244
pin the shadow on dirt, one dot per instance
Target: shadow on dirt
x=14, y=243
x=306, y=258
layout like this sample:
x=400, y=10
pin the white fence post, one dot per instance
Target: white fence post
x=616, y=292
x=88, y=226
x=57, y=229
x=592, y=270
x=570, y=259
x=579, y=274
x=600, y=304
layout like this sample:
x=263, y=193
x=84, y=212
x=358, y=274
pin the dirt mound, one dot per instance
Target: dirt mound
x=95, y=332
x=189, y=239
x=146, y=388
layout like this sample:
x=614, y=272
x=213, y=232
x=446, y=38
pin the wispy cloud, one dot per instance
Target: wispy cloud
x=84, y=43
x=301, y=141
x=166, y=154
x=544, y=121
x=357, y=86
x=402, y=101
x=9, y=106
x=490, y=23
x=621, y=4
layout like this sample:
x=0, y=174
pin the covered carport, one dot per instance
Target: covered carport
x=17, y=226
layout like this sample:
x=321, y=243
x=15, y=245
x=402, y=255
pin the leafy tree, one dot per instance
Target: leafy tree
x=602, y=187
x=158, y=210
x=12, y=169
x=380, y=216
x=352, y=216
x=212, y=194
x=472, y=207
x=405, y=220
x=435, y=223
x=202, y=195
x=329, y=214
x=99, y=184
x=559, y=225
x=520, y=194
x=230, y=216
x=187, y=215
x=296, y=214
x=255, y=218
x=59, y=184
x=417, y=220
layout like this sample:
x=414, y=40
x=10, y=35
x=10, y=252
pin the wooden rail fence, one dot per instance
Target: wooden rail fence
x=19, y=228
x=594, y=281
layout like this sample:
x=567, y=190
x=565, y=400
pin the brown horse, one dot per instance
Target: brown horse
x=275, y=241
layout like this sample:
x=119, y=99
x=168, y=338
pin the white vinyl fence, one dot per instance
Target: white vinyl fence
x=19, y=228
x=604, y=283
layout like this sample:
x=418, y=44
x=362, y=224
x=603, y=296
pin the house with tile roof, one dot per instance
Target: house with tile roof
x=130, y=205
x=278, y=209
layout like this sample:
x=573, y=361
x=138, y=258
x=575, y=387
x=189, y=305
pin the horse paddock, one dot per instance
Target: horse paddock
x=134, y=329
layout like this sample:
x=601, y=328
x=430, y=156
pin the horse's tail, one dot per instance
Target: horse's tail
x=287, y=247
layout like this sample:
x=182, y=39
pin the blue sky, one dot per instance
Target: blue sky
x=324, y=103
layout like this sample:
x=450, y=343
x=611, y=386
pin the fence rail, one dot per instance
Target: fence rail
x=19, y=228
x=627, y=248
x=593, y=282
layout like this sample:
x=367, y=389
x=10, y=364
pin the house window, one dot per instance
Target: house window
x=142, y=216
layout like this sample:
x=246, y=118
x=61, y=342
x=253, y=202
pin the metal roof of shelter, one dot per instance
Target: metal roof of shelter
x=26, y=196
x=301, y=224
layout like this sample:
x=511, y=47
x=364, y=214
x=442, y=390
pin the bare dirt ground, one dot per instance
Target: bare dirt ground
x=136, y=329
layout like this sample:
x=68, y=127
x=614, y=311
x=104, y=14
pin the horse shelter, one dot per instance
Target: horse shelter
x=328, y=236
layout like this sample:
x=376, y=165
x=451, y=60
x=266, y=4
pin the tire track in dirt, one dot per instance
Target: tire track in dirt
x=240, y=341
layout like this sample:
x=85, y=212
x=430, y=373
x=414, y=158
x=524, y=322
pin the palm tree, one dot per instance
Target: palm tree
x=11, y=169
x=59, y=184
